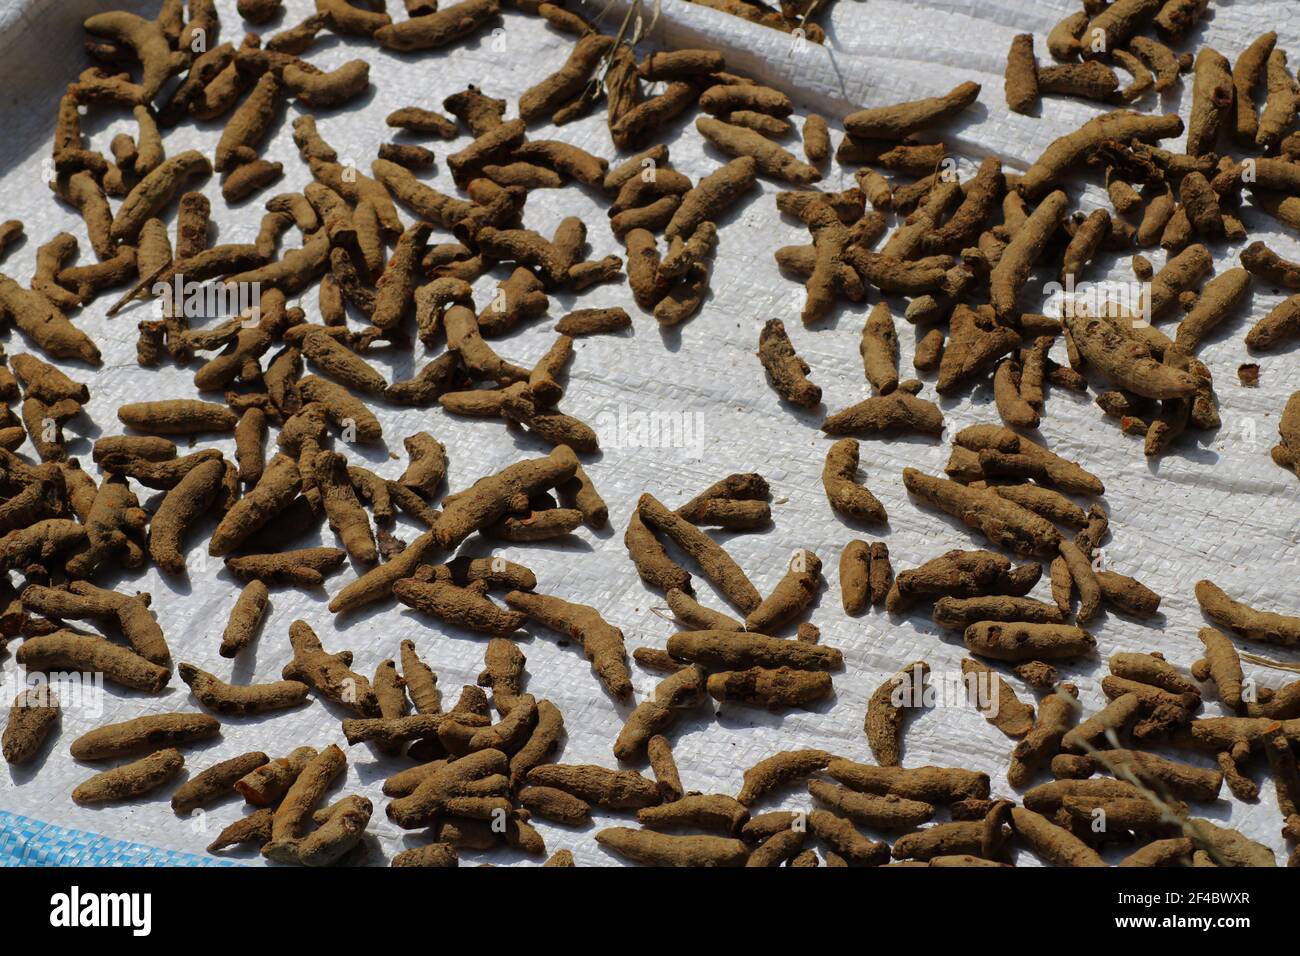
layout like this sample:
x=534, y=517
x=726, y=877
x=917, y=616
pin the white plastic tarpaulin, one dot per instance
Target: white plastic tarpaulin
x=1213, y=506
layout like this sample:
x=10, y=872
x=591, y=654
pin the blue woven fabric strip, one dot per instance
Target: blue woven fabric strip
x=28, y=842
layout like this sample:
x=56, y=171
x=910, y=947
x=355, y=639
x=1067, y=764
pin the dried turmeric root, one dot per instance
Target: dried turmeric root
x=600, y=640
x=1244, y=620
x=885, y=710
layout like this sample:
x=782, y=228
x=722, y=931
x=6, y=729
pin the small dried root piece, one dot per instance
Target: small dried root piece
x=773, y=688
x=1212, y=99
x=963, y=837
x=593, y=322
x=1126, y=361
x=462, y=606
x=1016, y=642
x=265, y=785
x=855, y=577
x=1221, y=665
x=1262, y=261
x=420, y=681
x=1001, y=521
x=1112, y=718
x=292, y=815
x=882, y=573
x=899, y=411
x=1180, y=779
x=841, y=835
x=555, y=805
x=63, y=649
x=816, y=140
x=428, y=466
x=879, y=812
x=245, y=618
x=1219, y=297
x=1090, y=80
x=192, y=497
x=303, y=567
x=791, y=596
x=215, y=694
x=32, y=717
x=42, y=322
x=503, y=672
x=143, y=733
x=786, y=371
x=771, y=159
x=601, y=641
x=643, y=276
x=661, y=849
x=996, y=701
x=543, y=100
x=216, y=782
x=329, y=674
x=714, y=811
x=879, y=348
x=130, y=780
x=901, y=120
x=886, y=709
x=845, y=495
x=1052, y=505
x=1066, y=151
x=1051, y=843
x=732, y=650
x=177, y=416
x=599, y=786
x=255, y=828
x=959, y=613
x=977, y=339
x=280, y=484
x=1012, y=407
x=712, y=559
x=1244, y=620
x=696, y=616
x=712, y=196
x=780, y=770
x=1127, y=595
x=536, y=525
x=1057, y=713
x=1025, y=248
x=83, y=600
